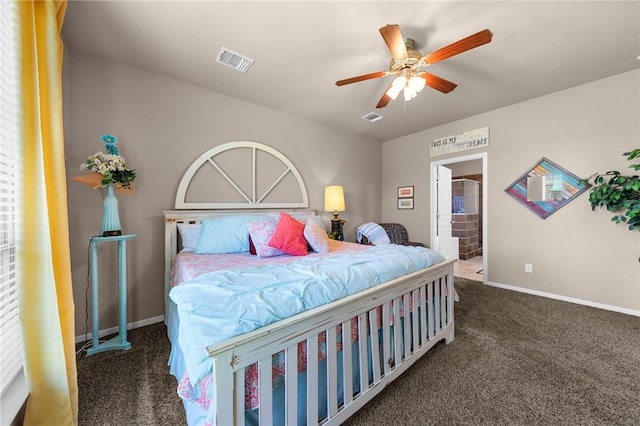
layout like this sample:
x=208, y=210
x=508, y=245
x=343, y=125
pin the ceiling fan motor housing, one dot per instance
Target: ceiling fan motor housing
x=412, y=61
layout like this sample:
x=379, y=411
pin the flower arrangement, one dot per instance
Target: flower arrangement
x=107, y=168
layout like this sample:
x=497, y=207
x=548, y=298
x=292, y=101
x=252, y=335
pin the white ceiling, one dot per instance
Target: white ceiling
x=302, y=48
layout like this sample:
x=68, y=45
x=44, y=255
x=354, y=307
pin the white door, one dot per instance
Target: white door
x=446, y=243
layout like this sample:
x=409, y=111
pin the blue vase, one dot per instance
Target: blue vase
x=110, y=217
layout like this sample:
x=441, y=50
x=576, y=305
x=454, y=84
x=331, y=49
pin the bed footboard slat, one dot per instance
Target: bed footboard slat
x=444, y=295
x=375, y=344
x=239, y=391
x=363, y=355
x=312, y=380
x=423, y=314
x=264, y=380
x=415, y=313
x=386, y=337
x=332, y=371
x=406, y=323
x=397, y=333
x=224, y=398
x=291, y=384
x=346, y=362
x=431, y=308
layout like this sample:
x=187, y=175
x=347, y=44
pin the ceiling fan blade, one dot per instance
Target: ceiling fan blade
x=385, y=99
x=395, y=42
x=364, y=77
x=468, y=43
x=438, y=83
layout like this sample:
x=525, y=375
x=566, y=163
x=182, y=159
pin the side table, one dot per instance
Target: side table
x=118, y=342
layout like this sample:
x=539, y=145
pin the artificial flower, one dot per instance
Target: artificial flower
x=108, y=168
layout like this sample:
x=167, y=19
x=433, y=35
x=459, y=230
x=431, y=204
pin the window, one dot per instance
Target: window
x=11, y=354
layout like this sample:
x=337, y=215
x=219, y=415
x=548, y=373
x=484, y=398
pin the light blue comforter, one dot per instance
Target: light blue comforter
x=223, y=304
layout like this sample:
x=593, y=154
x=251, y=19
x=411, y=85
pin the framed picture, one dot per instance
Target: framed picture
x=405, y=192
x=546, y=187
x=405, y=203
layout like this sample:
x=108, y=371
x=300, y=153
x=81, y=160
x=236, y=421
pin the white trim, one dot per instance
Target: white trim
x=113, y=330
x=612, y=308
x=484, y=156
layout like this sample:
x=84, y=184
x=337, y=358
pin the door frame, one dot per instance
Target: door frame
x=434, y=201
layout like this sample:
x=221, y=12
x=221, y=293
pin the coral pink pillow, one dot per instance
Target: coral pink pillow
x=289, y=236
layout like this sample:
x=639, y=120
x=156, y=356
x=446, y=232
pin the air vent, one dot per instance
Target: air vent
x=233, y=60
x=372, y=117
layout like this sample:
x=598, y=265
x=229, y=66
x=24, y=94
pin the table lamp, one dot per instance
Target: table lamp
x=334, y=202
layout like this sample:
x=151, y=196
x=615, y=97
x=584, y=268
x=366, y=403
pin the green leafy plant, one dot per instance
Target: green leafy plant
x=618, y=193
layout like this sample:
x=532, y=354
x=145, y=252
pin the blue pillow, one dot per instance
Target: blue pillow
x=225, y=234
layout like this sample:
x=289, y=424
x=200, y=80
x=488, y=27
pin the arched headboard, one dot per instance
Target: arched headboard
x=252, y=200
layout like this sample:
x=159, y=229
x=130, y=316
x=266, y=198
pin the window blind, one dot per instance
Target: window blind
x=10, y=160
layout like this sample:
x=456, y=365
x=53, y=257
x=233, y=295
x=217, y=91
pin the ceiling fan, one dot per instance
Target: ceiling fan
x=407, y=62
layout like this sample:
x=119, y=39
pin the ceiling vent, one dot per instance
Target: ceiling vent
x=372, y=117
x=233, y=60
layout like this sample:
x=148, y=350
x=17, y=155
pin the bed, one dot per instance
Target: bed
x=283, y=339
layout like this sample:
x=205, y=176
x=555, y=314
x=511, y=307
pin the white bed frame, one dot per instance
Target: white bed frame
x=430, y=290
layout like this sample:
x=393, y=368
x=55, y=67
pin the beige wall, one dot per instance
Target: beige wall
x=575, y=253
x=163, y=125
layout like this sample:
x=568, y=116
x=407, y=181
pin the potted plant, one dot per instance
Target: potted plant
x=618, y=193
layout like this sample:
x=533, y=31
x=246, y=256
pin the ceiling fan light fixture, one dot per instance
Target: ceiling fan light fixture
x=396, y=87
x=417, y=83
x=406, y=62
x=409, y=93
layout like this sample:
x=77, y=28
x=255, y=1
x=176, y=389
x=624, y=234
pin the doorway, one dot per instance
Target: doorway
x=474, y=267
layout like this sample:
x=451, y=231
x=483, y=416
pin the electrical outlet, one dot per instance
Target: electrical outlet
x=528, y=267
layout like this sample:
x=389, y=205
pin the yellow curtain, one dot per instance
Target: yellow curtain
x=45, y=290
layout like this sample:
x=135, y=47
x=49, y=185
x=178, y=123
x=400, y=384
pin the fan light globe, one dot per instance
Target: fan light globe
x=417, y=83
x=396, y=87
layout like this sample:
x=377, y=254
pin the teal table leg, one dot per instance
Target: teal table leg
x=122, y=292
x=95, y=315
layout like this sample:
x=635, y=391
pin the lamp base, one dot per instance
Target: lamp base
x=336, y=229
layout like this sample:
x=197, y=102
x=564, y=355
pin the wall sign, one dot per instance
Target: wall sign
x=478, y=138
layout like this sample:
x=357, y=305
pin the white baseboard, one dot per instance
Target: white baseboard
x=568, y=299
x=130, y=326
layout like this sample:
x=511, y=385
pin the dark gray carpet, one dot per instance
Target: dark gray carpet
x=517, y=360
x=131, y=387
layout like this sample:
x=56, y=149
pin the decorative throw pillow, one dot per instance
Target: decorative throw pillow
x=252, y=248
x=189, y=233
x=316, y=236
x=289, y=236
x=261, y=233
x=225, y=234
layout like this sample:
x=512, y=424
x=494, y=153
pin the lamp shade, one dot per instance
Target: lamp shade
x=334, y=198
